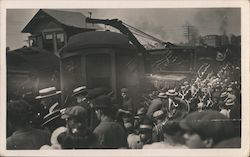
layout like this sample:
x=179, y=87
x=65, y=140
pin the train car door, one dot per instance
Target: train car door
x=99, y=71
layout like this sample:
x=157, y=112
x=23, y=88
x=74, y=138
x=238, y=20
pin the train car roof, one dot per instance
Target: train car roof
x=97, y=39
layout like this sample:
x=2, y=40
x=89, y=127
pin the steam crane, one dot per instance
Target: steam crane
x=118, y=24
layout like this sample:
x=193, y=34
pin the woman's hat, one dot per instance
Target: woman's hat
x=48, y=92
x=79, y=90
x=171, y=92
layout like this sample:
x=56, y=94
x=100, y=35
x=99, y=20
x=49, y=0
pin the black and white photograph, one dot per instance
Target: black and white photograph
x=135, y=79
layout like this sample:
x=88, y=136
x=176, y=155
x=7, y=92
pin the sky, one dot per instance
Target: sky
x=163, y=23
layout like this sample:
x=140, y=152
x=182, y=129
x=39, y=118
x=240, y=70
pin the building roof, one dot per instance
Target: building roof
x=66, y=18
x=39, y=59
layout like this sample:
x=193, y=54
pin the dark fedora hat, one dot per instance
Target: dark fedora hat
x=94, y=93
x=102, y=101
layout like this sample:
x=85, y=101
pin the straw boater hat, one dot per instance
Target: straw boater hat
x=171, y=92
x=141, y=111
x=48, y=92
x=186, y=83
x=51, y=116
x=79, y=90
x=146, y=125
x=229, y=89
x=162, y=95
x=223, y=95
x=229, y=102
x=158, y=114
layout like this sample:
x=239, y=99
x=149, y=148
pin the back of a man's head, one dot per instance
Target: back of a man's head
x=104, y=104
x=19, y=112
x=208, y=124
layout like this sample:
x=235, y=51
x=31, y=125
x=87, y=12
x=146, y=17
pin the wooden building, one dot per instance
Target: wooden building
x=51, y=29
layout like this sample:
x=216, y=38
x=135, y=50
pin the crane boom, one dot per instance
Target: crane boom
x=120, y=26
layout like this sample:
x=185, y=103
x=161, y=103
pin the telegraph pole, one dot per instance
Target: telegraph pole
x=188, y=32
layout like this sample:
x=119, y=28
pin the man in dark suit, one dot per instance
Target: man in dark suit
x=25, y=137
x=109, y=133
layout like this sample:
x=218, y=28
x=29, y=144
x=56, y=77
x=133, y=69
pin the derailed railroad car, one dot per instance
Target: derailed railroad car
x=101, y=59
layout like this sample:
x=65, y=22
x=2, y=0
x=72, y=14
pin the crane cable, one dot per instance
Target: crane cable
x=139, y=31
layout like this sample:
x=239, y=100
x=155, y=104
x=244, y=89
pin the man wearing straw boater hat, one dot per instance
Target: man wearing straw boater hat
x=79, y=95
x=51, y=108
x=49, y=98
x=173, y=103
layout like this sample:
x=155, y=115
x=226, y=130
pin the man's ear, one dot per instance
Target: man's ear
x=208, y=143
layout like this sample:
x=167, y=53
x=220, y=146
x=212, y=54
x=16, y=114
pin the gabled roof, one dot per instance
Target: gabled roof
x=66, y=18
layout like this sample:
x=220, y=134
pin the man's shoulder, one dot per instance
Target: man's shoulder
x=162, y=145
x=156, y=100
x=41, y=132
x=102, y=127
x=107, y=126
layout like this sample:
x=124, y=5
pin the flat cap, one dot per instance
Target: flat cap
x=208, y=124
x=77, y=112
x=102, y=101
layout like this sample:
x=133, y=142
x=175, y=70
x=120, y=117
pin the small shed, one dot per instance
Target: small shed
x=101, y=59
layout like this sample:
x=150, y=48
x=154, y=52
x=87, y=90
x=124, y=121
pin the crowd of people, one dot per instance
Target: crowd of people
x=203, y=112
